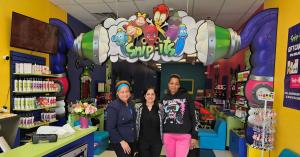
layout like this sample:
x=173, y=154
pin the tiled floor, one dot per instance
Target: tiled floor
x=218, y=153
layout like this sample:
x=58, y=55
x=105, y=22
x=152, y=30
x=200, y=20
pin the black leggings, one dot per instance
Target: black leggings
x=120, y=152
x=149, y=150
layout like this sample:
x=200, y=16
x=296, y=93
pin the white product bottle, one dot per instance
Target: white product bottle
x=20, y=88
x=24, y=85
x=30, y=85
x=22, y=107
x=21, y=68
x=16, y=85
x=17, y=68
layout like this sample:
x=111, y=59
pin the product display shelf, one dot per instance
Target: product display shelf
x=34, y=92
x=38, y=124
x=35, y=75
x=40, y=108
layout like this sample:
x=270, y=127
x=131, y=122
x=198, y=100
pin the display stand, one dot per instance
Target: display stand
x=262, y=119
x=266, y=97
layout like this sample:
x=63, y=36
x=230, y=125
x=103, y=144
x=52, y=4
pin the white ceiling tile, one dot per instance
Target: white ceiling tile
x=57, y=2
x=210, y=7
x=250, y=12
x=78, y=12
x=228, y=20
x=92, y=24
x=178, y=4
x=97, y=7
x=236, y=6
x=203, y=16
x=147, y=6
x=125, y=9
x=88, y=1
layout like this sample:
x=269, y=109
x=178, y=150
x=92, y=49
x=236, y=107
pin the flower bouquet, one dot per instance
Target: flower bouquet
x=85, y=111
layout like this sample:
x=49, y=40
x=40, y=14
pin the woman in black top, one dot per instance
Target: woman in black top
x=149, y=126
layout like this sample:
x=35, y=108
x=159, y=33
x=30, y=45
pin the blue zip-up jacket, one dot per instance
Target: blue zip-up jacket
x=121, y=121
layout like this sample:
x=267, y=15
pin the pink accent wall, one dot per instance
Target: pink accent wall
x=224, y=68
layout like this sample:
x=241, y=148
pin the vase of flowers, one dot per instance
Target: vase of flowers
x=85, y=111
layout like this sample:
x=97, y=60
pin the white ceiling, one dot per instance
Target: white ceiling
x=226, y=13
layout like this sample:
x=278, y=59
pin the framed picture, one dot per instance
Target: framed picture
x=188, y=84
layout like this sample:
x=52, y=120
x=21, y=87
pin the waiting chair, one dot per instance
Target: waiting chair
x=213, y=138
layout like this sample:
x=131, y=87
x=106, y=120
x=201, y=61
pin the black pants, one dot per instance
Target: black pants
x=149, y=150
x=120, y=152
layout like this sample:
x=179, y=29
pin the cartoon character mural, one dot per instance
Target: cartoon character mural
x=150, y=35
x=140, y=21
x=182, y=35
x=132, y=31
x=161, y=13
x=173, y=26
x=121, y=38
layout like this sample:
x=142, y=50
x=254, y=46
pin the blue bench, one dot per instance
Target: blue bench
x=213, y=138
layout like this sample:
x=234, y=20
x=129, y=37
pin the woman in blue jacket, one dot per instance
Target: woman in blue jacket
x=121, y=121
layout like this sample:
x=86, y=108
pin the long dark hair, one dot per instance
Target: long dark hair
x=145, y=92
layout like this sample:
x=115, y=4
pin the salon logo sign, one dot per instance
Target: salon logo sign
x=147, y=39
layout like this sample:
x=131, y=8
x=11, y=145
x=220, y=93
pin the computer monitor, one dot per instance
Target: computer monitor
x=9, y=128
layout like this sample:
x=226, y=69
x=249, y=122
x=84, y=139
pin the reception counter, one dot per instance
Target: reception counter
x=80, y=137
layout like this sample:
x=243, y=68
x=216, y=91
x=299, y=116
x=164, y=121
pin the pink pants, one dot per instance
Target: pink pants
x=176, y=145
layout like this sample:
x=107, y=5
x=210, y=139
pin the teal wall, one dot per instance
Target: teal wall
x=186, y=71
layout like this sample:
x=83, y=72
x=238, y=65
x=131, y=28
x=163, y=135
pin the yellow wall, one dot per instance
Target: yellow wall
x=288, y=125
x=38, y=9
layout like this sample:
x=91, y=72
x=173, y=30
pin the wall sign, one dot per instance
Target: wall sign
x=292, y=74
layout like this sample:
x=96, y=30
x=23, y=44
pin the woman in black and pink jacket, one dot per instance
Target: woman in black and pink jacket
x=179, y=122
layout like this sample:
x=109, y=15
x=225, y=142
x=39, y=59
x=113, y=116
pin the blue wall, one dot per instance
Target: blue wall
x=140, y=74
x=98, y=73
x=186, y=71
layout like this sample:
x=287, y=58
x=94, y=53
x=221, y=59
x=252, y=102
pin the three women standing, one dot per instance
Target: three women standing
x=176, y=118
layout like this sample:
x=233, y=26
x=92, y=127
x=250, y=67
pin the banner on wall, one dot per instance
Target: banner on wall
x=292, y=74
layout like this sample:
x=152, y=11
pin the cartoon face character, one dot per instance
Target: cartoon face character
x=132, y=31
x=172, y=32
x=171, y=110
x=161, y=13
x=182, y=31
x=150, y=35
x=120, y=38
x=141, y=19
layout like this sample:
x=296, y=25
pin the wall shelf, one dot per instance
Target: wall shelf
x=28, y=110
x=35, y=75
x=34, y=92
x=38, y=124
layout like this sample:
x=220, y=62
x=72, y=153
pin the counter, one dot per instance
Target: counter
x=81, y=136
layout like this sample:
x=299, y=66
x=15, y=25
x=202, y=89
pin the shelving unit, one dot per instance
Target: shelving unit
x=28, y=110
x=35, y=92
x=239, y=105
x=38, y=124
x=239, y=96
x=45, y=95
x=35, y=75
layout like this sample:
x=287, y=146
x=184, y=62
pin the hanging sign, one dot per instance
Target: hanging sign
x=142, y=38
x=292, y=74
